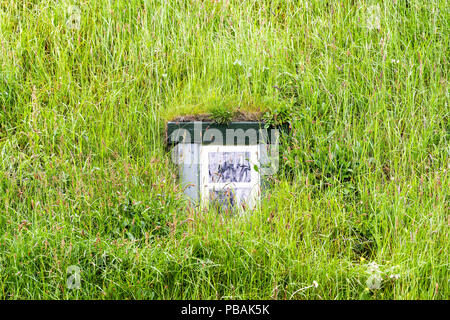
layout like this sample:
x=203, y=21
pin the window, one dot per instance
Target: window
x=228, y=176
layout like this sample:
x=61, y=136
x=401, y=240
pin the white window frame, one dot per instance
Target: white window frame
x=253, y=185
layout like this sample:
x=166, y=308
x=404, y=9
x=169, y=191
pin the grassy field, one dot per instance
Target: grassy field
x=360, y=207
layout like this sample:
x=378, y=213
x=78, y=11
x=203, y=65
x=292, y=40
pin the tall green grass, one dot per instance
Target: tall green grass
x=86, y=179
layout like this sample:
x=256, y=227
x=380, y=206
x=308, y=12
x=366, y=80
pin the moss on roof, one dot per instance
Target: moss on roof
x=243, y=107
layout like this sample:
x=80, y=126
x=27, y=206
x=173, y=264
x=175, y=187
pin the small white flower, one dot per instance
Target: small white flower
x=237, y=62
x=315, y=284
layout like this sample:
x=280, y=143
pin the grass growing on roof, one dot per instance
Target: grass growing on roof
x=358, y=210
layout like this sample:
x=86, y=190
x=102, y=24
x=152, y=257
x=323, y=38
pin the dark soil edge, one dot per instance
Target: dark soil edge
x=238, y=116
